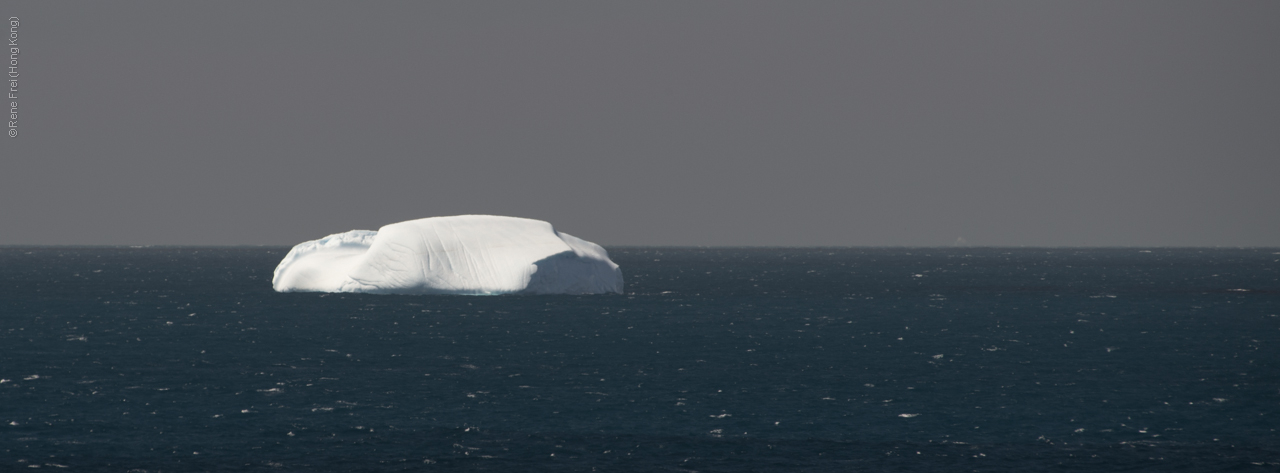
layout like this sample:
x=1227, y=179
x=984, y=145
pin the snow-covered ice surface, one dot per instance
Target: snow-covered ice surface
x=465, y=254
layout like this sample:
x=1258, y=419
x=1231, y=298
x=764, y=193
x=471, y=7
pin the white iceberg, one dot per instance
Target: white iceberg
x=465, y=254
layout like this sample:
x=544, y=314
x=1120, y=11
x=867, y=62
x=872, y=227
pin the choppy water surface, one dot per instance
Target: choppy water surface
x=183, y=359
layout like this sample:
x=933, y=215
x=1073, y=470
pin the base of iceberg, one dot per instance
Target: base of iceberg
x=465, y=254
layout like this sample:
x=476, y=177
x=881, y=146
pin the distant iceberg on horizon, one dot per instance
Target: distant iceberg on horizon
x=464, y=254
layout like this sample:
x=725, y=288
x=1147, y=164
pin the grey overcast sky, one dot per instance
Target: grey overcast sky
x=1072, y=123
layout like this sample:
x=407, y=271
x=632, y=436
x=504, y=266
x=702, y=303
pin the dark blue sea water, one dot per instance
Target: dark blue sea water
x=184, y=359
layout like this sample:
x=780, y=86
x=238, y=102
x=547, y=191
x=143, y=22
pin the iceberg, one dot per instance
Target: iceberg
x=464, y=254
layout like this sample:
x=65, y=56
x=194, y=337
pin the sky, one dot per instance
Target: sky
x=718, y=123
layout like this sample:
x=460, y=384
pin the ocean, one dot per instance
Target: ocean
x=714, y=360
